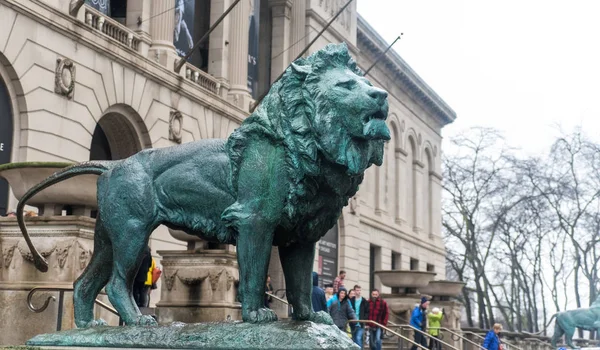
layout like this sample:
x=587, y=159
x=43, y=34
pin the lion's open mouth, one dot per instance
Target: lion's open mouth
x=375, y=127
x=379, y=115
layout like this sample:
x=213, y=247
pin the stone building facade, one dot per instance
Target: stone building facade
x=87, y=83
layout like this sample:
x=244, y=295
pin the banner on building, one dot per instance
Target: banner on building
x=253, y=36
x=6, y=135
x=328, y=257
x=100, y=5
x=184, y=26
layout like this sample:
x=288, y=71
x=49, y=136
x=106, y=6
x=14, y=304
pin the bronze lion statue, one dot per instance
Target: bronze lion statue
x=280, y=179
x=568, y=321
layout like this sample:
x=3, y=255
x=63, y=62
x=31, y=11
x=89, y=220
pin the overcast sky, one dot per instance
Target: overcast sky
x=524, y=67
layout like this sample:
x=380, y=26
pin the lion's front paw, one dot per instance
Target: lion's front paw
x=320, y=317
x=262, y=315
x=145, y=320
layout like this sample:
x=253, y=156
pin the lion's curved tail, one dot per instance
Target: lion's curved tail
x=92, y=167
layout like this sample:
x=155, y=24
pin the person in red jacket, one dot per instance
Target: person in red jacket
x=378, y=312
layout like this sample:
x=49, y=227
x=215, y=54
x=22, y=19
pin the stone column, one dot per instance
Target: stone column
x=238, y=55
x=435, y=181
x=298, y=29
x=162, y=24
x=418, y=198
x=400, y=215
x=218, y=45
x=280, y=36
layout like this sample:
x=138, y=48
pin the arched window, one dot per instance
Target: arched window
x=6, y=140
x=116, y=135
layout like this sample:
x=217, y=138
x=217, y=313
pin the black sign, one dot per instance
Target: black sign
x=100, y=5
x=6, y=135
x=184, y=26
x=328, y=257
x=253, y=49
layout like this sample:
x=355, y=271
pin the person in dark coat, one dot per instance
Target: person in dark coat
x=360, y=306
x=140, y=289
x=318, y=295
x=341, y=311
x=418, y=320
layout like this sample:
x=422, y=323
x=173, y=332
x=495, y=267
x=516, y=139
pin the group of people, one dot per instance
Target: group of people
x=349, y=305
x=431, y=322
x=424, y=321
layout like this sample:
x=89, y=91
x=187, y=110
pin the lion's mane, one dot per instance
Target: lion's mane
x=285, y=117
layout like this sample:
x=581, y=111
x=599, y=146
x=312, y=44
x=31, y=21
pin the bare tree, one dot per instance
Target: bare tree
x=476, y=175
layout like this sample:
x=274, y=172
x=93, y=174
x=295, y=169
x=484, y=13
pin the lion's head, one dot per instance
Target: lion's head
x=322, y=109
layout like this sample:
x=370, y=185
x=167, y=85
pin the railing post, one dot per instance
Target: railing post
x=61, y=296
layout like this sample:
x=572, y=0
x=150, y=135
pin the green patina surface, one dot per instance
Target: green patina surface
x=222, y=335
x=282, y=178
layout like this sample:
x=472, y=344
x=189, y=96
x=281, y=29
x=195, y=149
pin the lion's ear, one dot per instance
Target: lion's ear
x=299, y=67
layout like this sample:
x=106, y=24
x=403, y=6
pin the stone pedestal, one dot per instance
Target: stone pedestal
x=66, y=242
x=217, y=335
x=401, y=306
x=199, y=286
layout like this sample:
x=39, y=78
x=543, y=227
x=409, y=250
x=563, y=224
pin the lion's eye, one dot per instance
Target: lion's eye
x=346, y=84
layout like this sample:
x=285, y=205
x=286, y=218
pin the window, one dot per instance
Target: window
x=374, y=264
x=192, y=20
x=414, y=264
x=396, y=261
x=115, y=9
x=430, y=268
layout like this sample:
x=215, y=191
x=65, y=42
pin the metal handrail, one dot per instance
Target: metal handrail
x=388, y=330
x=427, y=335
x=61, y=294
x=473, y=333
x=277, y=298
x=458, y=335
x=539, y=341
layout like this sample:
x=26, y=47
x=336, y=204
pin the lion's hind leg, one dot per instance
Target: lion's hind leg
x=128, y=253
x=93, y=278
x=558, y=333
x=569, y=332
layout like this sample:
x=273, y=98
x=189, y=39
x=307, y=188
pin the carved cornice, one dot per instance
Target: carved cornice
x=280, y=8
x=436, y=175
x=369, y=39
x=418, y=163
x=401, y=151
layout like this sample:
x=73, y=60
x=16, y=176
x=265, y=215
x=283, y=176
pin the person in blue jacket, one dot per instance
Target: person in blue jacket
x=492, y=340
x=418, y=319
x=318, y=295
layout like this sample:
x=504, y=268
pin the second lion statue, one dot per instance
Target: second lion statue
x=281, y=179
